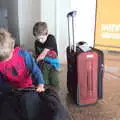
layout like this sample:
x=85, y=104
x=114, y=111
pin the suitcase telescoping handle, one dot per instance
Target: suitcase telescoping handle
x=71, y=16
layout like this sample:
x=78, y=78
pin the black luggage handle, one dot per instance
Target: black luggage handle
x=71, y=15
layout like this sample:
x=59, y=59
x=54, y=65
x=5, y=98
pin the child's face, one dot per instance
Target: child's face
x=42, y=38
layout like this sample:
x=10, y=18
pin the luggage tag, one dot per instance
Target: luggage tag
x=84, y=47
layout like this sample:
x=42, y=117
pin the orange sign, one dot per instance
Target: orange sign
x=107, y=34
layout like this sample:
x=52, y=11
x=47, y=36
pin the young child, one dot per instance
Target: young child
x=46, y=53
x=19, y=70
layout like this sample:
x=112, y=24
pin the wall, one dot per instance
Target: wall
x=29, y=13
x=48, y=14
x=4, y=18
x=12, y=7
x=85, y=20
x=54, y=13
x=62, y=29
x=22, y=14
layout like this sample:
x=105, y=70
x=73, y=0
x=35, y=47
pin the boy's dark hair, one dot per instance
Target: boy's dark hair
x=40, y=28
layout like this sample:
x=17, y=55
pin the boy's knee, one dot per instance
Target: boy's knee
x=54, y=79
x=55, y=83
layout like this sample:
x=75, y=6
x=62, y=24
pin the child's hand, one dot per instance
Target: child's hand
x=40, y=88
x=40, y=57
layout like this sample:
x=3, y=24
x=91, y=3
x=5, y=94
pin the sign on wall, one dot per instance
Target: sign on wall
x=107, y=34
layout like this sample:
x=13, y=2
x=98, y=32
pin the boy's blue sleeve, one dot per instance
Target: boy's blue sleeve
x=51, y=60
x=54, y=62
x=33, y=67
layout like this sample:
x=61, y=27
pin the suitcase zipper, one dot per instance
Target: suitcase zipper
x=90, y=78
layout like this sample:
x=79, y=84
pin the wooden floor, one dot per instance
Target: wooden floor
x=106, y=109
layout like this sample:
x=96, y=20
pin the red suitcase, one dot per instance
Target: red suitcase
x=82, y=71
x=87, y=64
